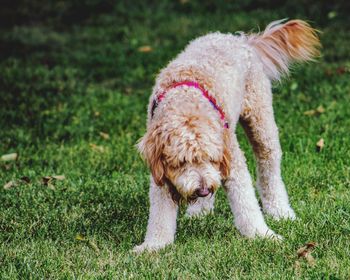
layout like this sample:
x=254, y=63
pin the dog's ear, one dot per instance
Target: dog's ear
x=150, y=148
x=225, y=163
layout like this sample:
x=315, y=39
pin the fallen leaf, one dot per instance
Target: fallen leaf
x=307, y=248
x=80, y=237
x=10, y=184
x=310, y=259
x=25, y=179
x=46, y=180
x=145, y=49
x=320, y=109
x=97, y=148
x=305, y=252
x=320, y=144
x=297, y=268
x=59, y=177
x=328, y=72
x=128, y=90
x=9, y=157
x=310, y=113
x=104, y=135
x=7, y=166
x=341, y=70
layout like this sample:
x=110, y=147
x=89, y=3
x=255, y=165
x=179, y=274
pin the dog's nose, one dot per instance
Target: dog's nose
x=202, y=192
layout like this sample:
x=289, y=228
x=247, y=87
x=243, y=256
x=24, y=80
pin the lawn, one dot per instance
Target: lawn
x=74, y=86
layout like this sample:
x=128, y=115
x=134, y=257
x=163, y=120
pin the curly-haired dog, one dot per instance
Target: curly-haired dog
x=190, y=144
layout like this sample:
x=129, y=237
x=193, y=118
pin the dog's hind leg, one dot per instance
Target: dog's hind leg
x=162, y=220
x=201, y=207
x=258, y=121
x=249, y=219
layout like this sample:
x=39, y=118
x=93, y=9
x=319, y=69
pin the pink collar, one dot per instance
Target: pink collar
x=196, y=85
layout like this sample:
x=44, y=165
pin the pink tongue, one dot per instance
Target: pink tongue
x=202, y=192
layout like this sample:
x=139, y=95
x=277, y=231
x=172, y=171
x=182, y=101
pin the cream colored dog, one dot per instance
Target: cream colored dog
x=190, y=144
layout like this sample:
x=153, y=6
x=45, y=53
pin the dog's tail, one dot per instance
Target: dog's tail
x=284, y=43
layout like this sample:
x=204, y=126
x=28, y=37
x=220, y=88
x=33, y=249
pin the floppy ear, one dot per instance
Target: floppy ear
x=150, y=148
x=225, y=163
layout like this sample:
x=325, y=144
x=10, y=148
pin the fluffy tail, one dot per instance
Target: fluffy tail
x=284, y=43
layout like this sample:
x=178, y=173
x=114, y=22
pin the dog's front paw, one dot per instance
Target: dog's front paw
x=279, y=213
x=149, y=247
x=256, y=230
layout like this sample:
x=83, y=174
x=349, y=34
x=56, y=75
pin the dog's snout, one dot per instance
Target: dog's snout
x=203, y=191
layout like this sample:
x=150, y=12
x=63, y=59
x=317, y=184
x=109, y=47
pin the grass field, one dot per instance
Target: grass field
x=73, y=96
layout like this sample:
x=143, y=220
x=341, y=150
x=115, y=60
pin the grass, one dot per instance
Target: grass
x=62, y=83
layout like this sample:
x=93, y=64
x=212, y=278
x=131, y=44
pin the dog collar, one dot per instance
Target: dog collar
x=196, y=85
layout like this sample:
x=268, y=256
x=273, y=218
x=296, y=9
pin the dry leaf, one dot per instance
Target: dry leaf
x=104, y=135
x=305, y=252
x=59, y=177
x=10, y=184
x=25, y=179
x=46, y=180
x=16, y=182
x=307, y=248
x=297, y=268
x=145, y=49
x=320, y=109
x=100, y=149
x=341, y=70
x=320, y=145
x=310, y=113
x=328, y=72
x=9, y=157
x=7, y=166
x=128, y=90
x=80, y=237
x=310, y=259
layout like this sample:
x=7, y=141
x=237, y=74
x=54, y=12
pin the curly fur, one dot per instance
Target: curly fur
x=186, y=145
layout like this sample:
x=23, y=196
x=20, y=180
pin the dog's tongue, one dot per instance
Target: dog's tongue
x=202, y=192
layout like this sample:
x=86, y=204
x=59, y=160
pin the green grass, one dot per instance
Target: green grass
x=63, y=82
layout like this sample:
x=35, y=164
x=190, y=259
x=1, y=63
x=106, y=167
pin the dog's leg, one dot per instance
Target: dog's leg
x=162, y=220
x=262, y=132
x=249, y=219
x=202, y=206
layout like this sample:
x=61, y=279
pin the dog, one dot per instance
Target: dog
x=190, y=145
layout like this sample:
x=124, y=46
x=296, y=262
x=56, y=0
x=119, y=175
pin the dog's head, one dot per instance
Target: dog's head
x=189, y=153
